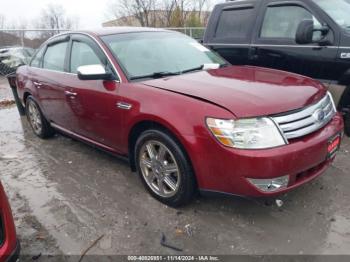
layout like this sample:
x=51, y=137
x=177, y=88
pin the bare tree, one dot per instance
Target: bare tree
x=200, y=4
x=141, y=10
x=157, y=13
x=168, y=7
x=54, y=17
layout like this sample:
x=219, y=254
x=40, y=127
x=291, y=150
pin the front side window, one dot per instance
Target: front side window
x=234, y=23
x=55, y=56
x=82, y=54
x=141, y=54
x=338, y=10
x=283, y=21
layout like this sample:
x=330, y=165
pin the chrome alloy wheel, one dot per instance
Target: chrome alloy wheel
x=159, y=169
x=35, y=117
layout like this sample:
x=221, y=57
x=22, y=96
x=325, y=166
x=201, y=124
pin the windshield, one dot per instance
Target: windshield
x=338, y=10
x=152, y=53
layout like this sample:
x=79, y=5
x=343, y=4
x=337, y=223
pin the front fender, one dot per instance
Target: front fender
x=183, y=116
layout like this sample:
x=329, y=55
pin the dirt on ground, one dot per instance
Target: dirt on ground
x=66, y=195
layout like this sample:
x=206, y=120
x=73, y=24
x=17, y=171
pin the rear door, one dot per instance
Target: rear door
x=230, y=28
x=34, y=73
x=274, y=42
x=51, y=83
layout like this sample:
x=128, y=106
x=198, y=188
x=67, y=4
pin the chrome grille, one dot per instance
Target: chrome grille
x=307, y=120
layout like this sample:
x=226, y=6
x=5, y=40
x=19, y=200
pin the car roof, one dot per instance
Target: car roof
x=123, y=29
x=109, y=31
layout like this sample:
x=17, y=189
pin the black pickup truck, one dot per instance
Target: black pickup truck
x=307, y=37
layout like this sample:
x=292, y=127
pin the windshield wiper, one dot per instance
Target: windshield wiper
x=192, y=69
x=164, y=74
x=155, y=75
x=224, y=65
x=201, y=67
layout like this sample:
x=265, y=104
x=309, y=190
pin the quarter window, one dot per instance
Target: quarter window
x=55, y=56
x=234, y=23
x=36, y=62
x=82, y=54
x=283, y=21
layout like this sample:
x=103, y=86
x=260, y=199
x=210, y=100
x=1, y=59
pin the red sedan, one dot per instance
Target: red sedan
x=9, y=245
x=185, y=118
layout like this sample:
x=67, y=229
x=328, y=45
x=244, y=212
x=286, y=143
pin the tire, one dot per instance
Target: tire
x=344, y=107
x=173, y=188
x=37, y=120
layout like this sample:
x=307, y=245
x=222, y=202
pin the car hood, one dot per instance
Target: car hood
x=246, y=91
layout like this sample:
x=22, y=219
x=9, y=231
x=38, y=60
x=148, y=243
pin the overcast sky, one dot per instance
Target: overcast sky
x=91, y=13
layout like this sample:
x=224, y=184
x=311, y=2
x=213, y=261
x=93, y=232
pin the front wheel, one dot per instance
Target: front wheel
x=164, y=168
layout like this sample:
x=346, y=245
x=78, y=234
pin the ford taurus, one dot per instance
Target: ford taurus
x=186, y=119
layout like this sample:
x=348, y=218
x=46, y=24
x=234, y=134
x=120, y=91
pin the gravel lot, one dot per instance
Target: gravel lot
x=5, y=91
x=65, y=195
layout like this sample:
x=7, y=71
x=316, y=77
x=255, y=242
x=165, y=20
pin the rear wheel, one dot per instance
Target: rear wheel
x=164, y=168
x=37, y=121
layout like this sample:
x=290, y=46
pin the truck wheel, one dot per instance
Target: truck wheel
x=344, y=107
x=164, y=168
x=37, y=121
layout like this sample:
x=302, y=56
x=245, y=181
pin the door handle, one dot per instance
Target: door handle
x=68, y=93
x=124, y=106
x=275, y=55
x=37, y=84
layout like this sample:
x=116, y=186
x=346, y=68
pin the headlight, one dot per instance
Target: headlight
x=252, y=133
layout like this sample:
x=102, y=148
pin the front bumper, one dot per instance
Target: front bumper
x=226, y=170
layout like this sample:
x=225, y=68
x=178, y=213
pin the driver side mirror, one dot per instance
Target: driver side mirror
x=305, y=33
x=94, y=72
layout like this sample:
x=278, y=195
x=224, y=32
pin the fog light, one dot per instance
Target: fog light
x=270, y=185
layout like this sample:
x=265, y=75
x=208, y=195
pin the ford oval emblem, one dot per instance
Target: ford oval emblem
x=319, y=115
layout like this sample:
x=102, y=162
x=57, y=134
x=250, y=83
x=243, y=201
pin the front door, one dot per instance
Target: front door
x=274, y=44
x=93, y=102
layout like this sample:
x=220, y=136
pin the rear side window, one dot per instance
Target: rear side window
x=283, y=21
x=234, y=23
x=82, y=54
x=55, y=56
x=36, y=62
